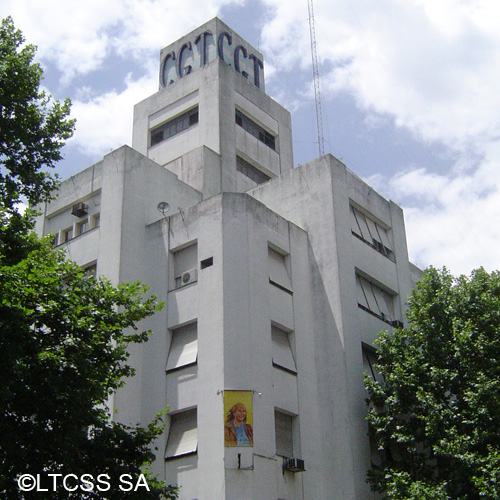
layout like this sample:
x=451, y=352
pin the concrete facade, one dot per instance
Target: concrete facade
x=276, y=279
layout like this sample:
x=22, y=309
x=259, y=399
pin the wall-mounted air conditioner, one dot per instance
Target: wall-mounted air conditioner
x=294, y=465
x=186, y=278
x=79, y=210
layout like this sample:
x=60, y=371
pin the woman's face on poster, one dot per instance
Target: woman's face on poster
x=240, y=414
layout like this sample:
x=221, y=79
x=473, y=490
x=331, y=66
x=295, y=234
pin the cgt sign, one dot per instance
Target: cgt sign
x=191, y=56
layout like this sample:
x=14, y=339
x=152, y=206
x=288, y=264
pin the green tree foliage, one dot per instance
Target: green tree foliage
x=63, y=354
x=64, y=334
x=436, y=419
x=33, y=129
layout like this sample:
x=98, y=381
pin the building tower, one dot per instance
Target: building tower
x=276, y=281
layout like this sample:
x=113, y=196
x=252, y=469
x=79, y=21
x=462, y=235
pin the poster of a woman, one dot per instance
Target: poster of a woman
x=238, y=430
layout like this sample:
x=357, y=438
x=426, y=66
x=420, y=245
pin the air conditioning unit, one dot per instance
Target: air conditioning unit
x=186, y=278
x=79, y=210
x=294, y=465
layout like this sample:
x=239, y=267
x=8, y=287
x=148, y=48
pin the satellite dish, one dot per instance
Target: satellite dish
x=163, y=207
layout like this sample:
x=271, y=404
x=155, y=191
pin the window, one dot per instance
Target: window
x=90, y=270
x=250, y=171
x=369, y=361
x=183, y=434
x=283, y=425
x=374, y=299
x=371, y=232
x=96, y=220
x=282, y=351
x=256, y=130
x=183, y=347
x=207, y=263
x=185, y=265
x=174, y=126
x=82, y=227
x=278, y=271
x=67, y=234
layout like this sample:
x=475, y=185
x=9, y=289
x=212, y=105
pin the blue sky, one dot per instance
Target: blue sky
x=409, y=91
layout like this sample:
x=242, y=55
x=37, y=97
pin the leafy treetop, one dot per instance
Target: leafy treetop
x=33, y=129
x=436, y=418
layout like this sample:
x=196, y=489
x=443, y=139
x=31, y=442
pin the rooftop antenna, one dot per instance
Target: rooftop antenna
x=317, y=94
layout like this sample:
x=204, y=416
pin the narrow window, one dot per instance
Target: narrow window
x=283, y=425
x=183, y=347
x=369, y=361
x=183, y=434
x=82, y=227
x=282, y=350
x=185, y=265
x=68, y=234
x=278, y=271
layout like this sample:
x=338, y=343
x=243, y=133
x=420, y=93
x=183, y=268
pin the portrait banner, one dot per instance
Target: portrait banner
x=238, y=418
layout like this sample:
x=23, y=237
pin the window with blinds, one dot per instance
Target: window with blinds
x=183, y=434
x=371, y=232
x=374, y=299
x=283, y=424
x=282, y=350
x=278, y=269
x=183, y=347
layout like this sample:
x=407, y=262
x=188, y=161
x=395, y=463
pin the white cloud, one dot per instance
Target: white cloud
x=78, y=36
x=431, y=65
x=71, y=34
x=104, y=121
x=451, y=219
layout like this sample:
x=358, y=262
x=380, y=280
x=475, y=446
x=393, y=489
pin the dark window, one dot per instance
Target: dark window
x=250, y=171
x=68, y=234
x=256, y=130
x=174, y=126
x=207, y=262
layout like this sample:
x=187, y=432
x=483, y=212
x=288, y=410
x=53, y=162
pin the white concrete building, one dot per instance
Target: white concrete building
x=276, y=280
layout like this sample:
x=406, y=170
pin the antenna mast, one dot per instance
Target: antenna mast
x=317, y=94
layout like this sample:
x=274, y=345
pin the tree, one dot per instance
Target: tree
x=63, y=354
x=33, y=130
x=63, y=334
x=436, y=417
